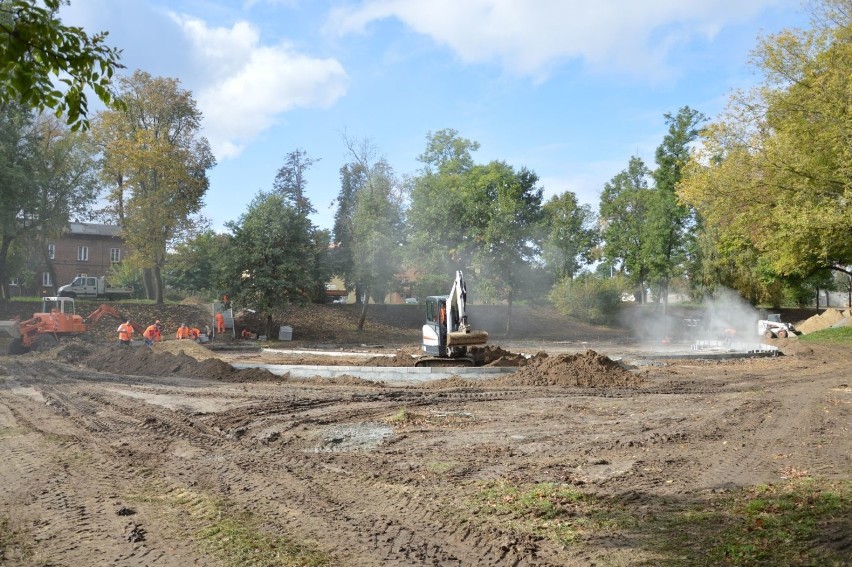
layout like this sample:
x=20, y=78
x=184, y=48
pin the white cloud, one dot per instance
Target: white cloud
x=247, y=86
x=530, y=37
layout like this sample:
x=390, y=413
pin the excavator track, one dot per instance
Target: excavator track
x=466, y=361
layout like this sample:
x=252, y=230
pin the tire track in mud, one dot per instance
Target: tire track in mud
x=758, y=433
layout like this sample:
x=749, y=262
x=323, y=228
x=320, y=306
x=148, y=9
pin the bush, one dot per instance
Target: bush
x=589, y=298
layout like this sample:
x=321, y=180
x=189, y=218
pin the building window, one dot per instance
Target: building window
x=51, y=251
x=46, y=280
x=115, y=255
x=82, y=253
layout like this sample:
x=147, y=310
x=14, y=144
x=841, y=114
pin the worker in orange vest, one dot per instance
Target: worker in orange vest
x=125, y=331
x=159, y=330
x=220, y=323
x=194, y=333
x=182, y=332
x=150, y=334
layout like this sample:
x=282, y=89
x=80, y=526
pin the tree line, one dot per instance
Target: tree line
x=756, y=200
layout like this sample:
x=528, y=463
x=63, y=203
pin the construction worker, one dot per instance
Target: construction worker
x=246, y=334
x=220, y=323
x=194, y=333
x=182, y=332
x=125, y=331
x=159, y=330
x=150, y=334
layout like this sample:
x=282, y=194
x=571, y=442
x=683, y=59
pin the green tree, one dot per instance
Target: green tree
x=195, y=265
x=624, y=213
x=290, y=181
x=775, y=172
x=502, y=211
x=272, y=260
x=438, y=240
x=36, y=49
x=156, y=163
x=353, y=178
x=669, y=221
x=377, y=234
x=570, y=235
x=48, y=179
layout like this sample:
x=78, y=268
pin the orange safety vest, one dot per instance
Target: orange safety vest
x=150, y=333
x=124, y=332
x=220, y=321
x=182, y=333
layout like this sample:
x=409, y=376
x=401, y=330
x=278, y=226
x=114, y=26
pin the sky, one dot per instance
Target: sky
x=569, y=89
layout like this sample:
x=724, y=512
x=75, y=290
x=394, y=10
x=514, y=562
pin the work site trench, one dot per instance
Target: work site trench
x=184, y=455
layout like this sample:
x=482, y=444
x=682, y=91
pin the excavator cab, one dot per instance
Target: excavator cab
x=446, y=333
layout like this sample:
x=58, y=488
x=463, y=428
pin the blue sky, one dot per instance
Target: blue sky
x=570, y=89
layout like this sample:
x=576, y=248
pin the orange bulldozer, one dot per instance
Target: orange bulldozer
x=56, y=320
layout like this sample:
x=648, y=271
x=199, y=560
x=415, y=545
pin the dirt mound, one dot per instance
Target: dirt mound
x=143, y=361
x=824, y=320
x=497, y=356
x=191, y=348
x=587, y=370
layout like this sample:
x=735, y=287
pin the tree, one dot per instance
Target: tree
x=36, y=48
x=624, y=212
x=290, y=180
x=502, y=212
x=774, y=174
x=48, y=178
x=353, y=178
x=156, y=163
x=570, y=235
x=669, y=220
x=377, y=226
x=438, y=240
x=195, y=265
x=272, y=258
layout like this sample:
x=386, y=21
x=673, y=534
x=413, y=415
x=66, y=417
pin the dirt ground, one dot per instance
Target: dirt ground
x=131, y=456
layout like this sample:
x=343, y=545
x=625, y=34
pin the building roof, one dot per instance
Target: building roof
x=92, y=229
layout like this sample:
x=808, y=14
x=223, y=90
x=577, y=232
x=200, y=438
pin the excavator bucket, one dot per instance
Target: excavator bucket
x=469, y=338
x=10, y=329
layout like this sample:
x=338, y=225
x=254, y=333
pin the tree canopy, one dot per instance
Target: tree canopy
x=773, y=178
x=156, y=163
x=37, y=50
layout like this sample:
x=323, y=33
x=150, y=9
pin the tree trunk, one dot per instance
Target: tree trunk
x=269, y=325
x=363, y=316
x=158, y=285
x=4, y=253
x=509, y=316
x=664, y=295
x=148, y=280
x=817, y=298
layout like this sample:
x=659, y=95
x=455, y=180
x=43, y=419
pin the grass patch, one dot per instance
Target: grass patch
x=831, y=335
x=440, y=467
x=400, y=417
x=803, y=522
x=545, y=510
x=14, y=545
x=234, y=536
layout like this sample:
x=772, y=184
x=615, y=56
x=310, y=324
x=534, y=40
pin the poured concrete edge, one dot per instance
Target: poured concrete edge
x=382, y=373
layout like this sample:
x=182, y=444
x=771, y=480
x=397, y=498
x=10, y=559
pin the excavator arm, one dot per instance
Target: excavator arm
x=109, y=310
x=459, y=332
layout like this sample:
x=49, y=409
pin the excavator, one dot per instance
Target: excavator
x=447, y=333
x=56, y=320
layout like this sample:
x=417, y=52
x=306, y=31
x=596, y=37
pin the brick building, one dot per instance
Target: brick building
x=84, y=250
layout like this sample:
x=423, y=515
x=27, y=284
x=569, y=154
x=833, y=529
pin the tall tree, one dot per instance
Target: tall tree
x=156, y=162
x=49, y=178
x=624, y=212
x=775, y=171
x=195, y=264
x=502, y=214
x=353, y=177
x=290, y=181
x=669, y=220
x=438, y=240
x=36, y=49
x=272, y=260
x=570, y=235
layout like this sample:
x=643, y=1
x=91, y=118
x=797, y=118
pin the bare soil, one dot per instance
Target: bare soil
x=169, y=456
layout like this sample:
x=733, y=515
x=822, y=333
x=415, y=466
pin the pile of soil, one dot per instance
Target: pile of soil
x=586, y=370
x=143, y=361
x=826, y=319
x=491, y=355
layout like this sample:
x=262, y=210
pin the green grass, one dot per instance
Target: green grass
x=832, y=335
x=801, y=522
x=234, y=536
